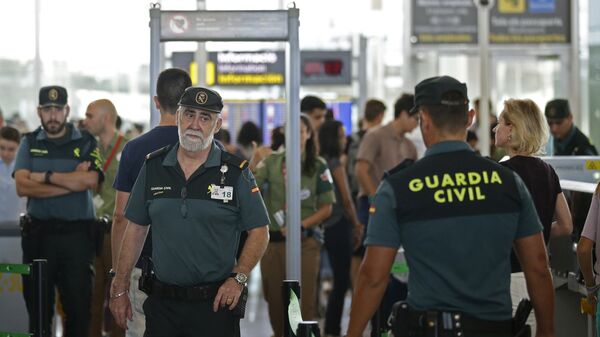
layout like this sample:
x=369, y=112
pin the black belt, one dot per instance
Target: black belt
x=456, y=321
x=57, y=226
x=276, y=236
x=201, y=292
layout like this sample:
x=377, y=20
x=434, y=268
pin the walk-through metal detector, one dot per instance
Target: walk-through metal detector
x=275, y=25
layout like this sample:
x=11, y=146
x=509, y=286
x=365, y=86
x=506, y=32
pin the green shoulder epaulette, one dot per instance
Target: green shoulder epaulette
x=158, y=152
x=236, y=161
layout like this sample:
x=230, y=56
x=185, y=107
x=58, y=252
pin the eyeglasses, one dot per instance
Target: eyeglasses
x=183, y=209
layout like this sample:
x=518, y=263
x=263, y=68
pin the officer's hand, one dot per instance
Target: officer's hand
x=283, y=230
x=120, y=308
x=228, y=295
x=84, y=166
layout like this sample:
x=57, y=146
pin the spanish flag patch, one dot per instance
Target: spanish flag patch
x=255, y=189
x=372, y=210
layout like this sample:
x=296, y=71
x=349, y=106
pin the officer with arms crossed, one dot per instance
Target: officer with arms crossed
x=57, y=168
x=198, y=199
x=457, y=215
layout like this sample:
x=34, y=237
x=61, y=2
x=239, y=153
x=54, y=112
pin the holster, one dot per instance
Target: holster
x=240, y=309
x=520, y=326
x=147, y=278
x=399, y=320
x=98, y=228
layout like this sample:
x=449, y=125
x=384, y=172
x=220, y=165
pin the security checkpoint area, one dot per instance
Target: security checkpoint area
x=381, y=168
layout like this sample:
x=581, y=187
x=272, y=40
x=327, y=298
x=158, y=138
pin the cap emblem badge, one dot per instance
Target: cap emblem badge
x=201, y=97
x=53, y=94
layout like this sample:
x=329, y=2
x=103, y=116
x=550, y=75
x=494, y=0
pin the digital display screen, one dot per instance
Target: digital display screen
x=331, y=67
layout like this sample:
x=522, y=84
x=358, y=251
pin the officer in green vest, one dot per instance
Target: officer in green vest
x=57, y=168
x=458, y=216
x=198, y=199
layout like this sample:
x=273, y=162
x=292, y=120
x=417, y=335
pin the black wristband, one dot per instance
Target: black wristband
x=47, y=177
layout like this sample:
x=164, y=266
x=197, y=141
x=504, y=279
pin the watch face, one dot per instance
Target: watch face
x=241, y=278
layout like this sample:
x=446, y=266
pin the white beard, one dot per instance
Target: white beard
x=194, y=145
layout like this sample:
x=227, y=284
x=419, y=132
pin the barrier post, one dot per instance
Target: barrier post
x=308, y=329
x=39, y=274
x=291, y=297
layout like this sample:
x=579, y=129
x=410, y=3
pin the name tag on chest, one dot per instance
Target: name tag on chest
x=224, y=193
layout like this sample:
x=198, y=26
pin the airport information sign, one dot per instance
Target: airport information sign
x=436, y=22
x=444, y=22
x=224, y=25
x=246, y=68
x=530, y=22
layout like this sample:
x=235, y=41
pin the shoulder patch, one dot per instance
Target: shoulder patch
x=233, y=160
x=158, y=152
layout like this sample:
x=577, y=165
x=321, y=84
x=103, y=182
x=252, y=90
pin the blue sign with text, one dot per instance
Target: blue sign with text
x=542, y=6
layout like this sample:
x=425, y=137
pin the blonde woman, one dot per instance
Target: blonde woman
x=522, y=131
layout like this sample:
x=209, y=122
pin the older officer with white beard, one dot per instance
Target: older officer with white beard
x=198, y=198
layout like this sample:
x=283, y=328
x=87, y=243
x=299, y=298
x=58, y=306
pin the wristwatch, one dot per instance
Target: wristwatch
x=240, y=278
x=112, y=273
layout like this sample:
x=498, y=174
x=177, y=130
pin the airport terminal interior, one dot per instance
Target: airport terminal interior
x=351, y=60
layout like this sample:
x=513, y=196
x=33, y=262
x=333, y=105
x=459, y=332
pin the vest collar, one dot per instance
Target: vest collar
x=447, y=146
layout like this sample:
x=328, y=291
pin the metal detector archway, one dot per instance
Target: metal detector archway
x=276, y=25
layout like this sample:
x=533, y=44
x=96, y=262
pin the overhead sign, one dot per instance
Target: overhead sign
x=443, y=22
x=326, y=67
x=224, y=25
x=246, y=68
x=438, y=22
x=530, y=22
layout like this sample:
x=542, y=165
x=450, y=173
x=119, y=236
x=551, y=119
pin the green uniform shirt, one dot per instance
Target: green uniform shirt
x=38, y=153
x=195, y=235
x=104, y=201
x=457, y=219
x=315, y=190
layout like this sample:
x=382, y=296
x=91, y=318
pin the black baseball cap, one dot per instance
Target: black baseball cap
x=431, y=90
x=53, y=95
x=202, y=98
x=557, y=109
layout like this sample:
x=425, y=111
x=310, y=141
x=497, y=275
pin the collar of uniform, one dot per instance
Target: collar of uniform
x=214, y=156
x=75, y=133
x=447, y=146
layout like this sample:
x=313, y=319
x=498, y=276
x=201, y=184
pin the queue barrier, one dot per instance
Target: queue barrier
x=38, y=270
x=293, y=325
